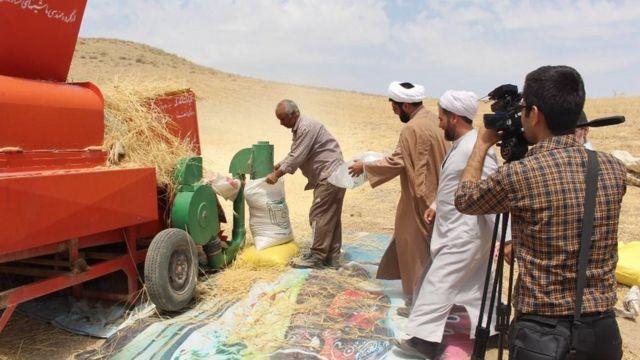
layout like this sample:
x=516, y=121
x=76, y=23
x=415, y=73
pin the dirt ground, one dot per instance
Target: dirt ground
x=235, y=112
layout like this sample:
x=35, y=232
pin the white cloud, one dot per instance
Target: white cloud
x=363, y=44
x=228, y=32
x=489, y=39
x=572, y=16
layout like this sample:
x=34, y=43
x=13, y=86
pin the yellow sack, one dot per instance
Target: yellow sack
x=628, y=270
x=278, y=255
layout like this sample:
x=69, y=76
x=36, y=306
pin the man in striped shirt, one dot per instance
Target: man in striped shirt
x=317, y=154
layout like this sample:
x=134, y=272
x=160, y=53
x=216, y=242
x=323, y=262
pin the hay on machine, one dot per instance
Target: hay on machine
x=137, y=132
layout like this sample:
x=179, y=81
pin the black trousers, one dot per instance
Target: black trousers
x=598, y=339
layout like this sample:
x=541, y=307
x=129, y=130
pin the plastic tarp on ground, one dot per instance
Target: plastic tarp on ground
x=345, y=321
x=97, y=319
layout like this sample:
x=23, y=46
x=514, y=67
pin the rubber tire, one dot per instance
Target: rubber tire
x=156, y=269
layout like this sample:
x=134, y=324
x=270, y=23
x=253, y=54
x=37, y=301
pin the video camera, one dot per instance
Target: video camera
x=506, y=119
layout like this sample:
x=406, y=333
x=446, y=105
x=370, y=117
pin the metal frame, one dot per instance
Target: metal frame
x=78, y=271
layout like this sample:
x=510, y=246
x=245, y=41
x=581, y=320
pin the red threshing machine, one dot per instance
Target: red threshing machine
x=66, y=218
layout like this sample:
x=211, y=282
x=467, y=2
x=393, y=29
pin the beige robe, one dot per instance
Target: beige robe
x=417, y=159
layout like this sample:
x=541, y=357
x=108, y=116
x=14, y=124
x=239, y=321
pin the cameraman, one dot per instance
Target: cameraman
x=545, y=192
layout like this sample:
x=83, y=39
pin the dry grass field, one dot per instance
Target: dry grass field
x=235, y=112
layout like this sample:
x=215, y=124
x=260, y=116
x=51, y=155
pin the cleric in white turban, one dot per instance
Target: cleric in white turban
x=460, y=102
x=456, y=106
x=405, y=92
x=416, y=160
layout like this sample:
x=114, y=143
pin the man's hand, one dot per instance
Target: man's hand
x=429, y=215
x=508, y=249
x=488, y=137
x=357, y=168
x=272, y=178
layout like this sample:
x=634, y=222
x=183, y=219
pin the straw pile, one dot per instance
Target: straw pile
x=135, y=131
x=232, y=284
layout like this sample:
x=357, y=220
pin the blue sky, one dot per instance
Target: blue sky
x=362, y=45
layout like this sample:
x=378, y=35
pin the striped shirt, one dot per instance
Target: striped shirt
x=314, y=150
x=545, y=192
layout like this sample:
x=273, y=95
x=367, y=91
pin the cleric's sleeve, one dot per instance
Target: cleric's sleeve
x=380, y=171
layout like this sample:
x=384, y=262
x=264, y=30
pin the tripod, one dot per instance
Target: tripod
x=503, y=310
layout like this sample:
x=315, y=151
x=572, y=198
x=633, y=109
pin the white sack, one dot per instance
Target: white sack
x=631, y=304
x=631, y=162
x=268, y=213
x=225, y=186
x=341, y=177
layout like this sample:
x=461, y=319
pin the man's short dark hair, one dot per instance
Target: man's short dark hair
x=449, y=114
x=558, y=92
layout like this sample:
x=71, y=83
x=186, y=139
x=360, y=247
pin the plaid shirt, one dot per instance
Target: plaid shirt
x=544, y=192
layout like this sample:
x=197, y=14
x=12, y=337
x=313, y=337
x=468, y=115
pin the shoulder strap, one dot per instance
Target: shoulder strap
x=591, y=187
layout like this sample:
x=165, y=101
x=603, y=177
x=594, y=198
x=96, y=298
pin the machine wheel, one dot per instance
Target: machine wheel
x=171, y=269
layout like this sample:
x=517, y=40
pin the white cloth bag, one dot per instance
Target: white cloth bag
x=268, y=213
x=341, y=177
x=223, y=185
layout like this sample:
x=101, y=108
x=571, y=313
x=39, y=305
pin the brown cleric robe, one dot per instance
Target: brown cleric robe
x=417, y=159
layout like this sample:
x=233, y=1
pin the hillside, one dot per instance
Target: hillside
x=236, y=111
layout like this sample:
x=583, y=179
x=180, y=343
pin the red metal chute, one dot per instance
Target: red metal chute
x=39, y=37
x=39, y=115
x=180, y=106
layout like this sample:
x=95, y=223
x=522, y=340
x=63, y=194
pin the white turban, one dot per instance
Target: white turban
x=462, y=103
x=400, y=94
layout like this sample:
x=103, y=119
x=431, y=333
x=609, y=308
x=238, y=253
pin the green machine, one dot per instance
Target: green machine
x=257, y=162
x=171, y=266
